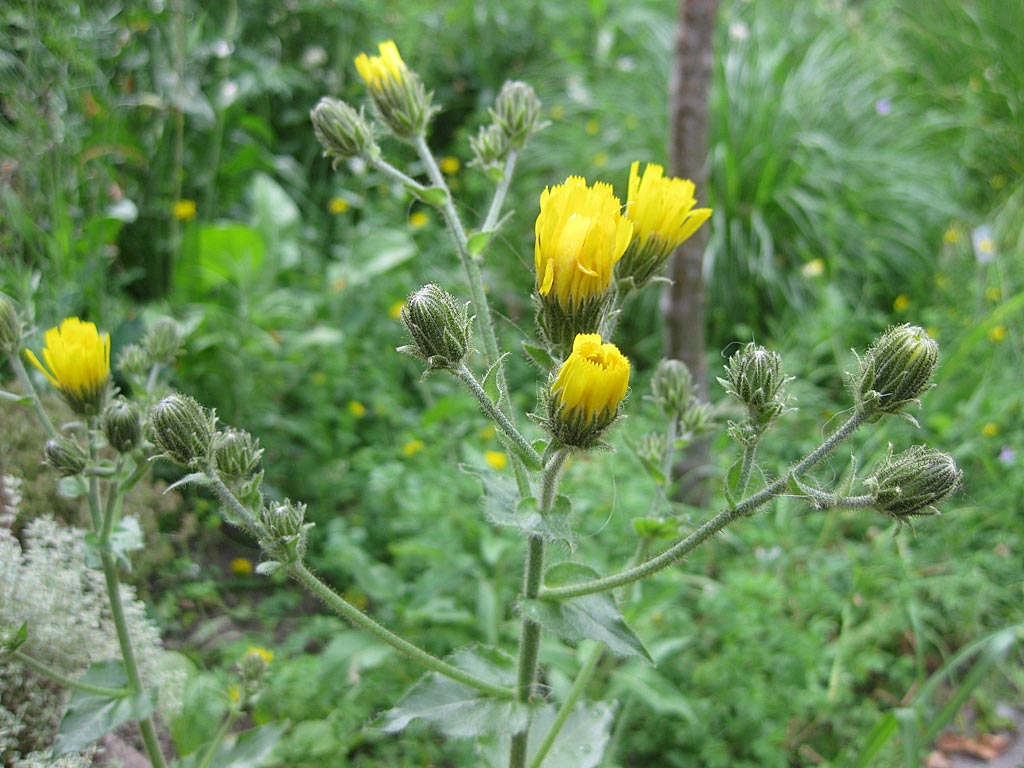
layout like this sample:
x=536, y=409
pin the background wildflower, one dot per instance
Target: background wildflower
x=184, y=210
x=77, y=363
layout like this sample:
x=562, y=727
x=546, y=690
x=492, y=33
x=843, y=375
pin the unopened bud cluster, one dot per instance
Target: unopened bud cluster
x=440, y=327
x=284, y=534
x=515, y=118
x=237, y=458
x=122, y=425
x=754, y=376
x=183, y=430
x=342, y=131
x=913, y=482
x=10, y=326
x=895, y=371
x=66, y=456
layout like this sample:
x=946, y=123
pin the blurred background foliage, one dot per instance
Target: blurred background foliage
x=866, y=168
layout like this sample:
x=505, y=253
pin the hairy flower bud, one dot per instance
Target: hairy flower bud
x=285, y=533
x=134, y=362
x=236, y=455
x=163, y=341
x=490, y=150
x=440, y=326
x=896, y=370
x=517, y=112
x=754, y=377
x=183, y=430
x=913, y=482
x=66, y=456
x=342, y=131
x=672, y=387
x=122, y=424
x=399, y=98
x=10, y=326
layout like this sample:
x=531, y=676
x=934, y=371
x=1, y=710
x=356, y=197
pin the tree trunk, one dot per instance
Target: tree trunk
x=683, y=301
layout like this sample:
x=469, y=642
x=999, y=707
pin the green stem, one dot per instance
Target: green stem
x=26, y=383
x=578, y=686
x=686, y=545
x=69, y=682
x=746, y=466
x=500, y=191
x=229, y=500
x=300, y=573
x=515, y=437
x=222, y=732
x=388, y=169
x=113, y=508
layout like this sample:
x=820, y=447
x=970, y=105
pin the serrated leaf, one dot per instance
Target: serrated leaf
x=477, y=242
x=732, y=483
x=590, y=617
x=199, y=478
x=580, y=744
x=539, y=355
x=655, y=690
x=90, y=716
x=503, y=507
x=250, y=749
x=457, y=710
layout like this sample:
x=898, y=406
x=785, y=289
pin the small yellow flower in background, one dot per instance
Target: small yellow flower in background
x=600, y=160
x=395, y=311
x=990, y=430
x=997, y=333
x=952, y=236
x=450, y=165
x=592, y=127
x=557, y=112
x=496, y=459
x=994, y=293
x=240, y=566
x=381, y=72
x=184, y=210
x=813, y=268
x=986, y=245
x=77, y=363
x=418, y=220
x=235, y=693
x=263, y=653
x=357, y=409
x=592, y=381
x=338, y=205
x=901, y=303
x=413, y=447
x=581, y=234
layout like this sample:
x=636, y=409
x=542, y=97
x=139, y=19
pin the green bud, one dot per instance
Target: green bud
x=134, y=362
x=672, y=387
x=163, y=342
x=517, y=112
x=236, y=455
x=342, y=131
x=913, y=482
x=183, y=430
x=285, y=532
x=10, y=326
x=896, y=370
x=490, y=149
x=122, y=424
x=754, y=377
x=440, y=326
x=66, y=456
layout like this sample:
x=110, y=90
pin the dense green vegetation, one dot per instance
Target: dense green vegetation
x=866, y=169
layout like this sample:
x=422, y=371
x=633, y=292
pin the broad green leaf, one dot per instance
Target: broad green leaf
x=250, y=749
x=477, y=242
x=277, y=218
x=226, y=252
x=126, y=537
x=90, y=716
x=656, y=691
x=73, y=487
x=457, y=710
x=375, y=253
x=580, y=744
x=656, y=527
x=503, y=507
x=591, y=617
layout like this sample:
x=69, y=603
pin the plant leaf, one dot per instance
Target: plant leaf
x=477, y=242
x=90, y=715
x=580, y=744
x=591, y=617
x=250, y=749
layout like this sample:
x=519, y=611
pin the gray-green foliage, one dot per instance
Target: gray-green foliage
x=47, y=585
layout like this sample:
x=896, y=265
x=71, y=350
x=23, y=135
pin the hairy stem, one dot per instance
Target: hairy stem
x=578, y=686
x=69, y=682
x=515, y=437
x=26, y=384
x=500, y=191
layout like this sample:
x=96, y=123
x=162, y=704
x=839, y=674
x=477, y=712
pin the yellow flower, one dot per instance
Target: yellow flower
x=987, y=246
x=395, y=311
x=951, y=236
x=496, y=459
x=450, y=165
x=592, y=127
x=338, y=205
x=263, y=653
x=997, y=333
x=357, y=409
x=235, y=693
x=813, y=268
x=380, y=72
x=600, y=160
x=184, y=210
x=418, y=220
x=77, y=363
x=990, y=430
x=901, y=303
x=591, y=382
x=240, y=566
x=413, y=447
x=581, y=234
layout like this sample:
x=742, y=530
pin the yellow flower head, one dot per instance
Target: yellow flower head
x=496, y=459
x=997, y=333
x=990, y=430
x=263, y=653
x=591, y=382
x=450, y=165
x=813, y=268
x=77, y=363
x=184, y=210
x=413, y=447
x=338, y=205
x=662, y=208
x=379, y=72
x=901, y=303
x=418, y=219
x=357, y=409
x=581, y=234
x=240, y=566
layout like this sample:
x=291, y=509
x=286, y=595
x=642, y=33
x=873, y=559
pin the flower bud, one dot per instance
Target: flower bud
x=163, y=342
x=896, y=370
x=913, y=482
x=584, y=398
x=10, y=326
x=134, y=362
x=66, y=456
x=672, y=387
x=517, y=112
x=399, y=98
x=183, y=430
x=122, y=424
x=440, y=326
x=285, y=531
x=754, y=377
x=342, y=131
x=236, y=455
x=490, y=150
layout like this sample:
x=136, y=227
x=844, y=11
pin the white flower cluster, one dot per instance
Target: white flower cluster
x=10, y=498
x=48, y=585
